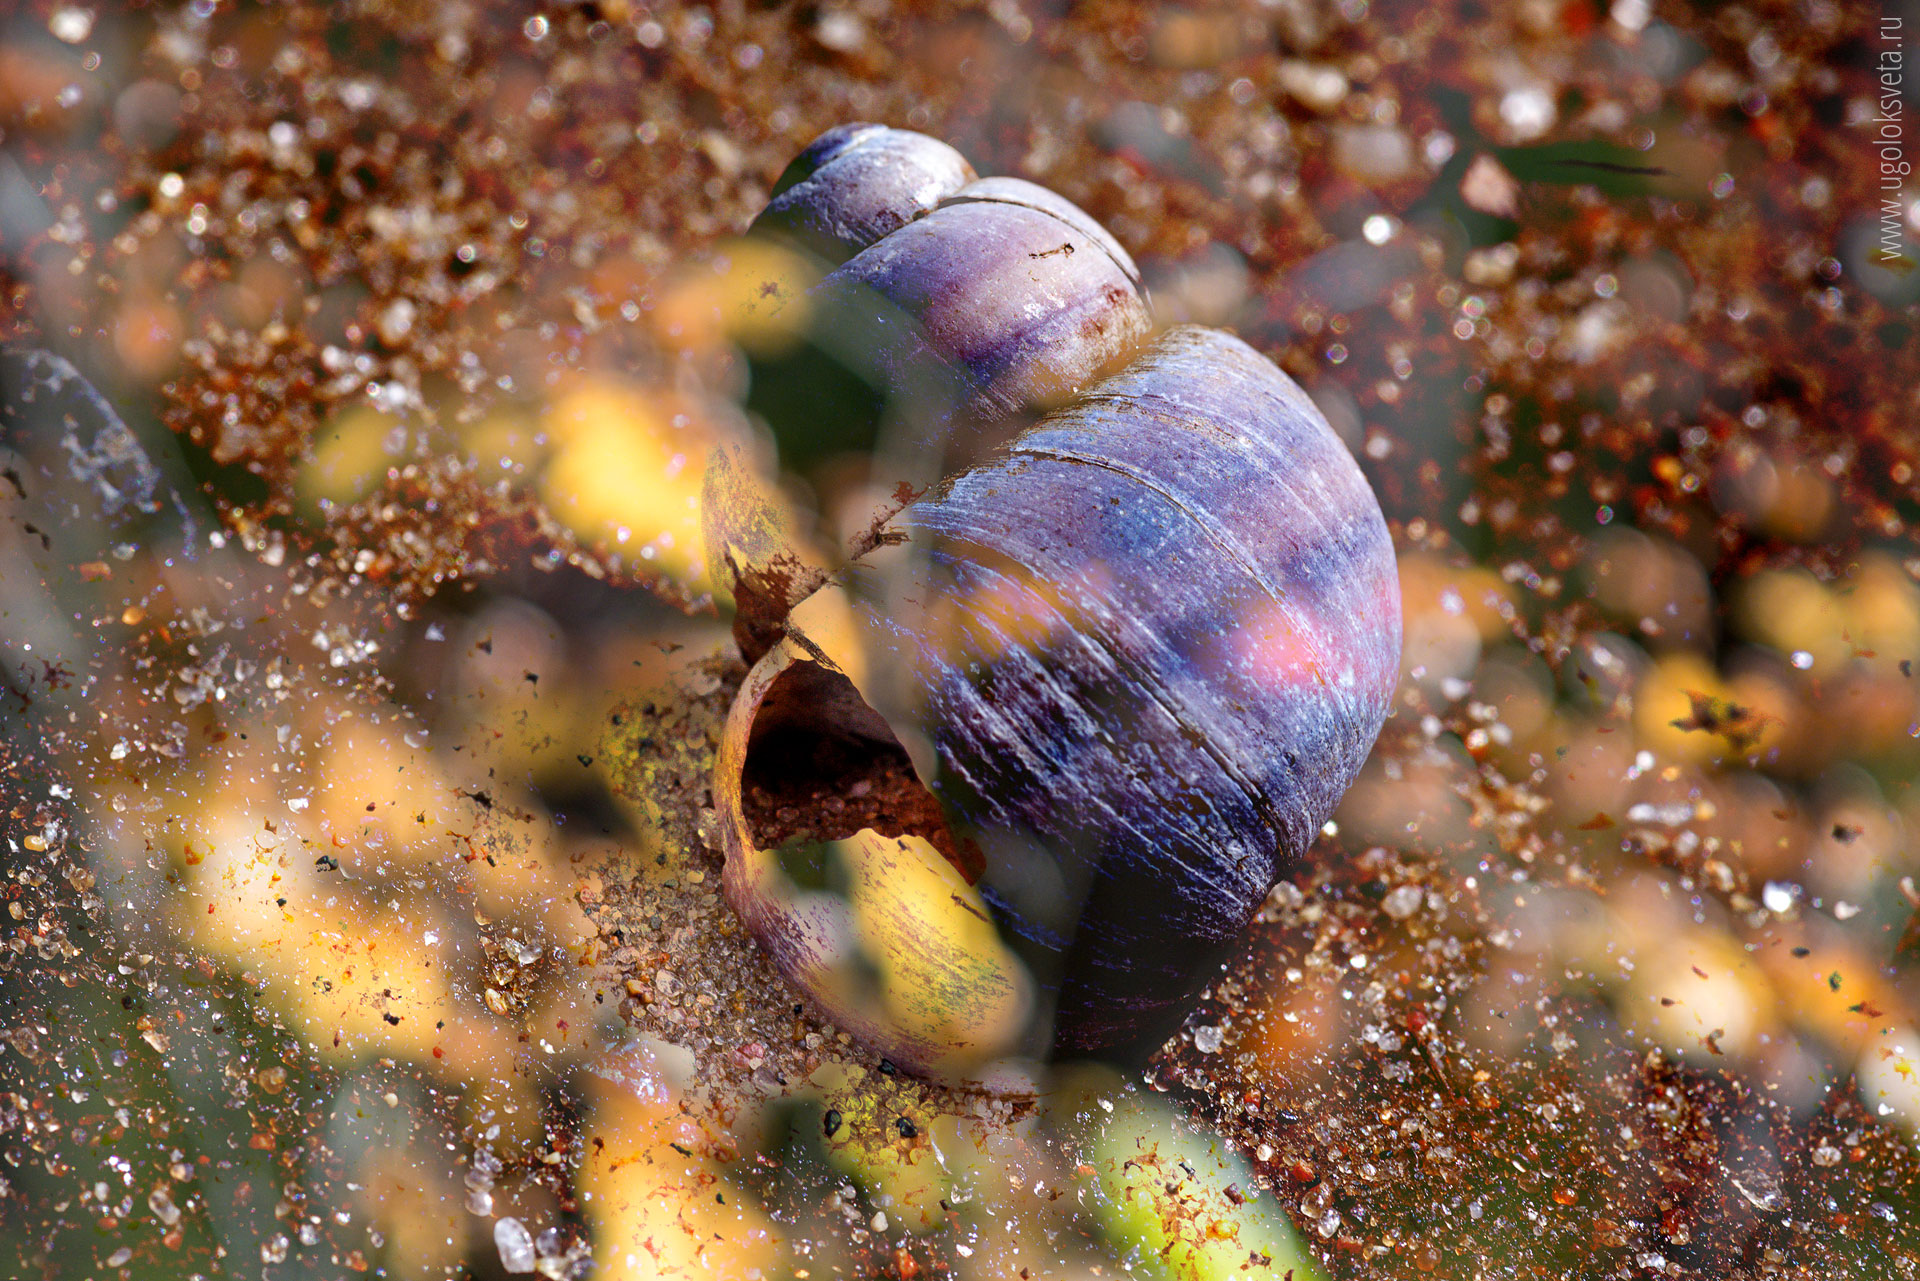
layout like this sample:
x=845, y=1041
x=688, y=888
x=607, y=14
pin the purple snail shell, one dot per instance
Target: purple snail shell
x=1136, y=655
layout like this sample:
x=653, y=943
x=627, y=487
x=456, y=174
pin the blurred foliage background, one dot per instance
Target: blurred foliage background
x=361, y=663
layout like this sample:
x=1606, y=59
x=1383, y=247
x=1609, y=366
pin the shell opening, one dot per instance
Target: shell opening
x=822, y=765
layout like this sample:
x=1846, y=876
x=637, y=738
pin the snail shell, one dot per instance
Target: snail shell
x=1136, y=656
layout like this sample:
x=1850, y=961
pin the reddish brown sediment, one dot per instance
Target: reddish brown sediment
x=1642, y=391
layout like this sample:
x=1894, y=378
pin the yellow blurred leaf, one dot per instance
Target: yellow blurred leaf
x=626, y=473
